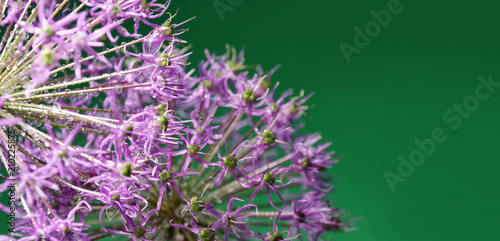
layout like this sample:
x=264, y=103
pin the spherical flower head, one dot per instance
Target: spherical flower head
x=106, y=122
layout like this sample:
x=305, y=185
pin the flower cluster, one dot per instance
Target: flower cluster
x=119, y=136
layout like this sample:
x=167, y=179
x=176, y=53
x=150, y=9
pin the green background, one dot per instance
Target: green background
x=395, y=91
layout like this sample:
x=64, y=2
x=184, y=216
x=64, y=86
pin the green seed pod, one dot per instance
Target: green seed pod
x=126, y=170
x=275, y=237
x=162, y=121
x=62, y=153
x=193, y=149
x=160, y=109
x=231, y=64
x=268, y=177
x=269, y=140
x=264, y=84
x=267, y=133
x=128, y=129
x=165, y=176
x=306, y=163
x=217, y=74
x=160, y=106
x=197, y=204
x=77, y=200
x=293, y=109
x=230, y=161
x=207, y=83
x=164, y=59
x=47, y=30
x=273, y=107
x=116, y=10
x=206, y=235
x=47, y=59
x=249, y=96
x=168, y=31
x=269, y=137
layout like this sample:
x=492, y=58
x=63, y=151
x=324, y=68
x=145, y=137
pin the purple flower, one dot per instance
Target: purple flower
x=229, y=163
x=268, y=180
x=231, y=220
x=99, y=119
x=167, y=178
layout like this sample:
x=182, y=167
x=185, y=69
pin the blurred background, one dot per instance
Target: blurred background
x=395, y=89
x=385, y=73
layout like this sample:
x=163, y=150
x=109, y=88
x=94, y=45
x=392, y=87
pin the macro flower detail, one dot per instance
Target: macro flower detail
x=231, y=220
x=120, y=136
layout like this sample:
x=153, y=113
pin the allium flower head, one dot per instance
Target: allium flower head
x=118, y=136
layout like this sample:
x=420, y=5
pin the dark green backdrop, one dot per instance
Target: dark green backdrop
x=394, y=90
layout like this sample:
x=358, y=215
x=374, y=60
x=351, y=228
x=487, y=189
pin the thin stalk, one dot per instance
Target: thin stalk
x=85, y=80
x=79, y=91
